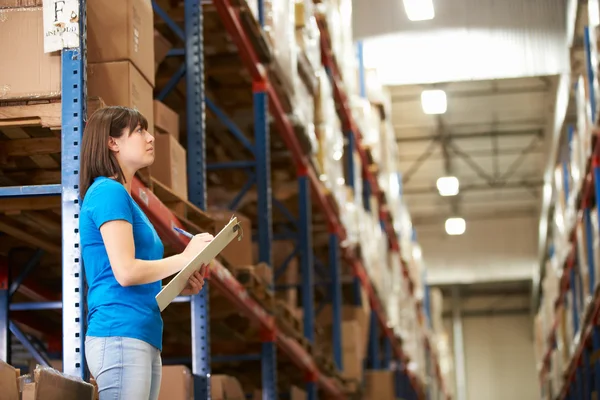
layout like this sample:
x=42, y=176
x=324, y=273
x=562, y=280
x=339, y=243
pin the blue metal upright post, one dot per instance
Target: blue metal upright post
x=374, y=353
x=196, y=162
x=336, y=298
x=4, y=299
x=586, y=374
x=591, y=71
x=387, y=353
x=590, y=250
x=306, y=266
x=265, y=227
x=351, y=169
x=73, y=109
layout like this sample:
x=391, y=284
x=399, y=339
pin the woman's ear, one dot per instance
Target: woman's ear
x=112, y=144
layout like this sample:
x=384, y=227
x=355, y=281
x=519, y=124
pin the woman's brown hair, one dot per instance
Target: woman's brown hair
x=96, y=157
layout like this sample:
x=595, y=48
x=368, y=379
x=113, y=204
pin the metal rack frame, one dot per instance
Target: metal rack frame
x=310, y=189
x=581, y=378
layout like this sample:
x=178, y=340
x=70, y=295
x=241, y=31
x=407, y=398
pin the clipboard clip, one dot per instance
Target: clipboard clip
x=237, y=227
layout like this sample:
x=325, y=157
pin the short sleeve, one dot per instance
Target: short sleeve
x=109, y=202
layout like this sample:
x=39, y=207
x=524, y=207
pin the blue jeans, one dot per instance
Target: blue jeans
x=124, y=368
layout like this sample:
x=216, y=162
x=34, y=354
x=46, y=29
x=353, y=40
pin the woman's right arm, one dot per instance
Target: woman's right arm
x=129, y=271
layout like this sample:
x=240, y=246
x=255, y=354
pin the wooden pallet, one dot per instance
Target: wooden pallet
x=257, y=288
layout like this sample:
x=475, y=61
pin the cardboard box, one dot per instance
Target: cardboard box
x=297, y=394
x=122, y=30
x=166, y=120
x=170, y=164
x=161, y=48
x=121, y=84
x=379, y=385
x=237, y=253
x=8, y=382
x=225, y=387
x=176, y=384
x=20, y=3
x=349, y=313
x=50, y=384
x=353, y=350
x=26, y=72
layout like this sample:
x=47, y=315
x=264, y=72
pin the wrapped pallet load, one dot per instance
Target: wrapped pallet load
x=279, y=27
x=308, y=35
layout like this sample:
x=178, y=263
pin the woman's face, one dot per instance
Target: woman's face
x=135, y=149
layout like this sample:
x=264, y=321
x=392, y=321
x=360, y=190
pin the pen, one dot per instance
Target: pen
x=184, y=233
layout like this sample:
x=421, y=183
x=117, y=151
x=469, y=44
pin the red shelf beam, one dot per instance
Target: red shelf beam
x=587, y=195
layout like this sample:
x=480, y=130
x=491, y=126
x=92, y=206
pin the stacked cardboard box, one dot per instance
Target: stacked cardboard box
x=120, y=52
x=355, y=333
x=379, y=385
x=43, y=383
x=30, y=74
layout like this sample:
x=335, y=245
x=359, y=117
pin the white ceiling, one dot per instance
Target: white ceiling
x=467, y=40
x=495, y=134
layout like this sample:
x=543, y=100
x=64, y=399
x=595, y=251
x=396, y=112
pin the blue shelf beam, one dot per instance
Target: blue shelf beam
x=247, y=186
x=172, y=83
x=233, y=128
x=34, y=190
x=38, y=355
x=31, y=264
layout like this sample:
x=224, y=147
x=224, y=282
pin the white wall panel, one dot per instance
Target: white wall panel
x=491, y=249
x=499, y=358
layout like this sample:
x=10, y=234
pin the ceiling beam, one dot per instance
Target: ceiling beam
x=474, y=135
x=540, y=122
x=462, y=94
x=474, y=153
x=436, y=219
x=478, y=187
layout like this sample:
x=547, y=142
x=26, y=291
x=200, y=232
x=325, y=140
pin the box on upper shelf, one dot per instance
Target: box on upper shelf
x=26, y=72
x=165, y=119
x=121, y=84
x=20, y=3
x=170, y=164
x=122, y=30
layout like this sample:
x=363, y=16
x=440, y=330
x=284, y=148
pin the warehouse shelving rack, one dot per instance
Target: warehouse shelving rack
x=266, y=101
x=582, y=377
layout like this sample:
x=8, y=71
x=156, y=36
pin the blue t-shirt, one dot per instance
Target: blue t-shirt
x=114, y=310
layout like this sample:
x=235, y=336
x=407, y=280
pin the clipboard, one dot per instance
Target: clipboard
x=168, y=293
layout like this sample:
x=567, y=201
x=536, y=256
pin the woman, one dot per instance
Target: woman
x=123, y=258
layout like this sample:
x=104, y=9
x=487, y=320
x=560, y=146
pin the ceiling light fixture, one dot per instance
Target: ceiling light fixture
x=419, y=10
x=455, y=226
x=434, y=101
x=448, y=186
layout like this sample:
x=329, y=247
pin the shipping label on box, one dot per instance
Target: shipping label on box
x=61, y=25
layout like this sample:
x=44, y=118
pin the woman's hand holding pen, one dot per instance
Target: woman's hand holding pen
x=195, y=246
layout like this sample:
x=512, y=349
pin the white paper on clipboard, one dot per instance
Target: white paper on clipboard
x=178, y=283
